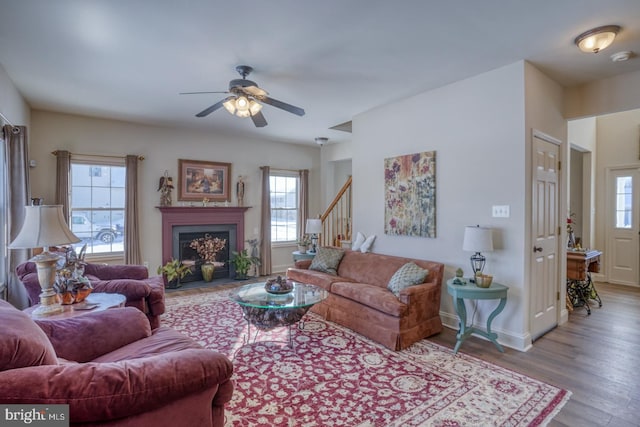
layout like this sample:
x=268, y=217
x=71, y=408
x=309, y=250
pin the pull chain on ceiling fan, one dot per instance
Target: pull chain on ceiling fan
x=245, y=99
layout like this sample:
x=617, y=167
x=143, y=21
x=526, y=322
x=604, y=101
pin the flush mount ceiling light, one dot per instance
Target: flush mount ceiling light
x=593, y=41
x=321, y=140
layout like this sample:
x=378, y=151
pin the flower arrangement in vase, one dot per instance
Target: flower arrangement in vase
x=571, y=239
x=208, y=248
x=71, y=285
x=303, y=243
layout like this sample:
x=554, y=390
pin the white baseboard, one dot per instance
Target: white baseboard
x=505, y=338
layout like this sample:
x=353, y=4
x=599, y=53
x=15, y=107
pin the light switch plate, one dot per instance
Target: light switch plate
x=500, y=211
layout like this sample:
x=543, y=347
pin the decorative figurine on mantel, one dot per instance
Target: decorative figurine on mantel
x=240, y=190
x=165, y=186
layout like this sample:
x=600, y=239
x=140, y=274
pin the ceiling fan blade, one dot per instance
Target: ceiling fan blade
x=282, y=105
x=198, y=93
x=211, y=109
x=259, y=120
x=255, y=91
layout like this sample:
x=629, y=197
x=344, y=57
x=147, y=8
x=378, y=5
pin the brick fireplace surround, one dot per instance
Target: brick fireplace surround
x=173, y=216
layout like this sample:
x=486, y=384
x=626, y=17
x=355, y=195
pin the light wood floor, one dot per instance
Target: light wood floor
x=596, y=357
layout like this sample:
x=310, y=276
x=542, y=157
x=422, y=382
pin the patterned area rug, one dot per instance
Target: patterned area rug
x=336, y=377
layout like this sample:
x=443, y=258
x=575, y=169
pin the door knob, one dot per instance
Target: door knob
x=537, y=249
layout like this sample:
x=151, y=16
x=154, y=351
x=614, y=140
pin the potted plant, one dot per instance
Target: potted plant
x=241, y=262
x=303, y=244
x=173, y=271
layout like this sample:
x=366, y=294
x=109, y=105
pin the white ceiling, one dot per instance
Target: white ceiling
x=129, y=59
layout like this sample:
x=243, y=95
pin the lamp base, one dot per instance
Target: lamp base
x=46, y=267
x=47, y=310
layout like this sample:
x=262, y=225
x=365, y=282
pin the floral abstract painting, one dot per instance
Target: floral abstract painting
x=410, y=195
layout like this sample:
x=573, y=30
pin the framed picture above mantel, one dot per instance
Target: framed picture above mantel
x=199, y=180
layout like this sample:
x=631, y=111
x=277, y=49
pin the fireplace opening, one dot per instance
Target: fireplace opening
x=184, y=235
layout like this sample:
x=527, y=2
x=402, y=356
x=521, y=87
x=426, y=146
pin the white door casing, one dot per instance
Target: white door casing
x=622, y=219
x=544, y=234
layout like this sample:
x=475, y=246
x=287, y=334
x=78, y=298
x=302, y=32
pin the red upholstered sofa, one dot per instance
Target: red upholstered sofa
x=142, y=292
x=359, y=298
x=112, y=369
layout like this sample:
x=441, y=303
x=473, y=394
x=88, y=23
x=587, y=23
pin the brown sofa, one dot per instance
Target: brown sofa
x=141, y=291
x=112, y=370
x=359, y=298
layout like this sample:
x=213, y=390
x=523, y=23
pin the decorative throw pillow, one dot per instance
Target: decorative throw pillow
x=366, y=246
x=407, y=275
x=327, y=260
x=358, y=242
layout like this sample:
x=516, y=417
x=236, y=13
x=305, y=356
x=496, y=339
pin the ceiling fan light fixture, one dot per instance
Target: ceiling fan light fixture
x=230, y=105
x=243, y=113
x=597, y=39
x=242, y=103
x=254, y=107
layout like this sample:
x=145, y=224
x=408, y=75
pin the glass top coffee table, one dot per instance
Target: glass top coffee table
x=266, y=310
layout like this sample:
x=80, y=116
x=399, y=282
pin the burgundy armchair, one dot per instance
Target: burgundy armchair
x=142, y=292
x=111, y=369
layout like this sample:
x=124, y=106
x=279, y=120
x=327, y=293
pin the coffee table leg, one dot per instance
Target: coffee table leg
x=290, y=338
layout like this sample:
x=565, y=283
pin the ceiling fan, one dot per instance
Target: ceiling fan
x=245, y=99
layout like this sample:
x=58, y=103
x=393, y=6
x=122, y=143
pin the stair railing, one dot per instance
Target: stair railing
x=336, y=219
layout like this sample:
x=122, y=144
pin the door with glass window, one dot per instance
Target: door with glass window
x=622, y=252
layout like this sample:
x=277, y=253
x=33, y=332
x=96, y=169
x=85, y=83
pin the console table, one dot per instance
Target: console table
x=297, y=256
x=473, y=292
x=97, y=301
x=580, y=288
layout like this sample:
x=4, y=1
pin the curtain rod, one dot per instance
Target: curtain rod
x=6, y=120
x=55, y=153
x=283, y=169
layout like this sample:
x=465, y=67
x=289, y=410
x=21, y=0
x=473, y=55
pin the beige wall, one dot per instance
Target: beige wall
x=582, y=136
x=476, y=127
x=618, y=145
x=605, y=96
x=12, y=106
x=17, y=112
x=162, y=147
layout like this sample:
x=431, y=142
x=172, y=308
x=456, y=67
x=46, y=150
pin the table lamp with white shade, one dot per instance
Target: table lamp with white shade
x=314, y=227
x=477, y=239
x=44, y=226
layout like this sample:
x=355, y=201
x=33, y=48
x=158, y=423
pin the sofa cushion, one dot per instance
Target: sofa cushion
x=122, y=326
x=371, y=296
x=22, y=342
x=313, y=277
x=163, y=340
x=407, y=275
x=358, y=242
x=327, y=260
x=368, y=242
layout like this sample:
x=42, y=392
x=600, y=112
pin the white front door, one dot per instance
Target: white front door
x=622, y=251
x=544, y=235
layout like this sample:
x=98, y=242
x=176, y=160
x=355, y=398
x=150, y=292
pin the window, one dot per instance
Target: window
x=284, y=206
x=623, y=201
x=97, y=205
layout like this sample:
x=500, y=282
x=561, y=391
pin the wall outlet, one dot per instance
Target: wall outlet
x=501, y=211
